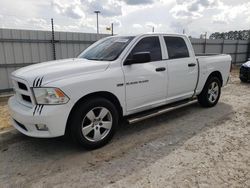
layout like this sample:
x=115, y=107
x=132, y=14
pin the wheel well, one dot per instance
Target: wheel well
x=104, y=94
x=216, y=74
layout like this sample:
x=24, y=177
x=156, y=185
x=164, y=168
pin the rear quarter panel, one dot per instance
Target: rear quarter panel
x=209, y=64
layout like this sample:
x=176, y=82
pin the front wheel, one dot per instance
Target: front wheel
x=94, y=122
x=210, y=94
x=244, y=80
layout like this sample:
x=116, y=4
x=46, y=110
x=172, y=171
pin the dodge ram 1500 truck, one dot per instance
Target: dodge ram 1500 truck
x=132, y=77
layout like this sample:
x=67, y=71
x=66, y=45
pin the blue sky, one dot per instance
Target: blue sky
x=128, y=16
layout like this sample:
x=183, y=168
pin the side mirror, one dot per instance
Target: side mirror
x=139, y=57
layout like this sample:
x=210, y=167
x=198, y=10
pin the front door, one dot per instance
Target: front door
x=146, y=82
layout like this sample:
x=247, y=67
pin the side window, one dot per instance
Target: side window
x=177, y=47
x=148, y=44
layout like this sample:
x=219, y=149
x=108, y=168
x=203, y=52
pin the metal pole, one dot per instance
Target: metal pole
x=205, y=44
x=97, y=21
x=236, y=52
x=53, y=40
x=222, y=45
x=112, y=29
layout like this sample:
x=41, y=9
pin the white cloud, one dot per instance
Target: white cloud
x=137, y=26
x=138, y=2
x=72, y=10
x=229, y=13
x=192, y=9
x=38, y=23
x=116, y=22
x=151, y=24
x=108, y=8
x=128, y=16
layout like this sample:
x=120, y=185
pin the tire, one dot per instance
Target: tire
x=210, y=94
x=94, y=122
x=243, y=80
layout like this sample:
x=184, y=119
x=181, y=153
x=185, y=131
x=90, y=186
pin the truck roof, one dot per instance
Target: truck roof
x=150, y=34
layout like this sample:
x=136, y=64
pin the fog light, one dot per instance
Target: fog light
x=41, y=127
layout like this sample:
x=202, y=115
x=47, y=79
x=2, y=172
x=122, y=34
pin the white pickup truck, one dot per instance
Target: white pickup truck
x=135, y=77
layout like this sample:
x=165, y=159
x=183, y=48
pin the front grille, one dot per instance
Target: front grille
x=22, y=86
x=26, y=98
x=23, y=92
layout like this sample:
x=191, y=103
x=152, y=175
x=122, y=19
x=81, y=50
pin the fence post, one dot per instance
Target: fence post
x=236, y=51
x=205, y=45
x=248, y=49
x=222, y=45
x=53, y=40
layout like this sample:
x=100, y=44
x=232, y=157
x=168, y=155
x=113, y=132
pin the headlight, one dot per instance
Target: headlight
x=50, y=96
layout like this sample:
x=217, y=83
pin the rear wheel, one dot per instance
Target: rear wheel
x=210, y=94
x=94, y=122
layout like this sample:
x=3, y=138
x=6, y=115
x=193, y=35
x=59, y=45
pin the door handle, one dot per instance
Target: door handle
x=191, y=64
x=159, y=69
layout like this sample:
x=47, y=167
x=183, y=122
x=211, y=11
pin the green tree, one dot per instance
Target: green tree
x=232, y=35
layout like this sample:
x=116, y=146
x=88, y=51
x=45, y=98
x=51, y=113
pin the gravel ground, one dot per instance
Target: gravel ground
x=4, y=116
x=189, y=147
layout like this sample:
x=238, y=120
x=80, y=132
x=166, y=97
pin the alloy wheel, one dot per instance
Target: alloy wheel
x=97, y=124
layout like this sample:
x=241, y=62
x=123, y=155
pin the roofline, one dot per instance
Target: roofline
x=150, y=34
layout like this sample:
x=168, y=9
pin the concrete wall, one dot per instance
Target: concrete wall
x=20, y=48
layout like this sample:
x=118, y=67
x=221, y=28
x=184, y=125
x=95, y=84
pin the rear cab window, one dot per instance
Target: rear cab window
x=148, y=44
x=177, y=47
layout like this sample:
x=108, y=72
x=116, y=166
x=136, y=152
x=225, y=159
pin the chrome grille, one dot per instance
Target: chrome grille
x=23, y=92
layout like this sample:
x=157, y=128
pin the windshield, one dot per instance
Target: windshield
x=108, y=49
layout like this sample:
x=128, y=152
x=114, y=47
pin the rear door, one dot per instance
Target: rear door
x=145, y=83
x=182, y=68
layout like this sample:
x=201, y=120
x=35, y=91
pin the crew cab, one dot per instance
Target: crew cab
x=131, y=77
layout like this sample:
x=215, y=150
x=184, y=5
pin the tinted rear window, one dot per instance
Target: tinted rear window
x=177, y=47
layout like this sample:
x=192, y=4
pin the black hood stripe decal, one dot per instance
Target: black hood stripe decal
x=38, y=81
x=34, y=82
x=38, y=109
x=41, y=81
x=35, y=110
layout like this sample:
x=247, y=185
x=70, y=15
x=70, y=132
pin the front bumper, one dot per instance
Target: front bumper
x=245, y=73
x=25, y=119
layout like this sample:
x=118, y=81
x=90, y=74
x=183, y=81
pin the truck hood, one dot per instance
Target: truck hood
x=43, y=73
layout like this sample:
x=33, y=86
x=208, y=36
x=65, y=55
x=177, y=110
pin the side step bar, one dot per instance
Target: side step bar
x=152, y=113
